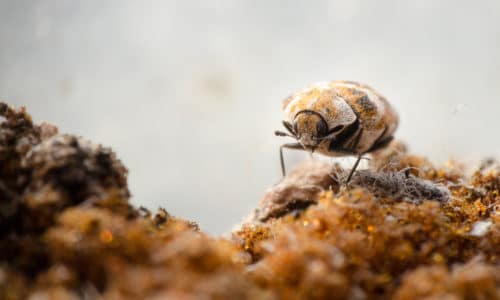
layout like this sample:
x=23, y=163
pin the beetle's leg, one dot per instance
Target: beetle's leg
x=289, y=146
x=353, y=168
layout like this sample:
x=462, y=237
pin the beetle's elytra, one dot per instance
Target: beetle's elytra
x=338, y=118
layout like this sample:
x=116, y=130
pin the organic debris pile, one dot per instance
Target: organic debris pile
x=402, y=229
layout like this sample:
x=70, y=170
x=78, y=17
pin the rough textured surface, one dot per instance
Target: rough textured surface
x=67, y=230
x=295, y=192
x=400, y=185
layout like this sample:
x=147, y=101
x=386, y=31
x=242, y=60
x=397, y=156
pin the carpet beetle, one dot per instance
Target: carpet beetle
x=338, y=118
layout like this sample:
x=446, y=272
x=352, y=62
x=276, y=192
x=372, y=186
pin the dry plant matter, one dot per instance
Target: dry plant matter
x=403, y=229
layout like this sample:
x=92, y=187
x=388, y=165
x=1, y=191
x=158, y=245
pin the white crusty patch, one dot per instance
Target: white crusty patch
x=480, y=228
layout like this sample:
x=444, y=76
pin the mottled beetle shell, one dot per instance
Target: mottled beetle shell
x=367, y=114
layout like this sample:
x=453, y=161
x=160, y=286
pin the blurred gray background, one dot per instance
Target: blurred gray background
x=188, y=93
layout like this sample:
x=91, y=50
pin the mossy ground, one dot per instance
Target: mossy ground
x=67, y=231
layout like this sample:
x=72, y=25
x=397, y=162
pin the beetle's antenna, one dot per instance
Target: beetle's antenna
x=289, y=127
x=281, y=133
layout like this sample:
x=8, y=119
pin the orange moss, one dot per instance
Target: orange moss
x=67, y=231
x=380, y=247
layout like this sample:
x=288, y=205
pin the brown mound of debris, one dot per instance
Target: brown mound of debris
x=402, y=229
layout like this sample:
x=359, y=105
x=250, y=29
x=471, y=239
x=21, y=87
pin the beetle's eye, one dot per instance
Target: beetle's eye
x=337, y=129
x=321, y=128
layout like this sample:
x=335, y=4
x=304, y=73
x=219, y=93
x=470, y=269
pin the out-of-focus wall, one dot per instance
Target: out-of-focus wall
x=189, y=93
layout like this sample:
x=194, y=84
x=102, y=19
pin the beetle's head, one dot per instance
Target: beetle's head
x=308, y=127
